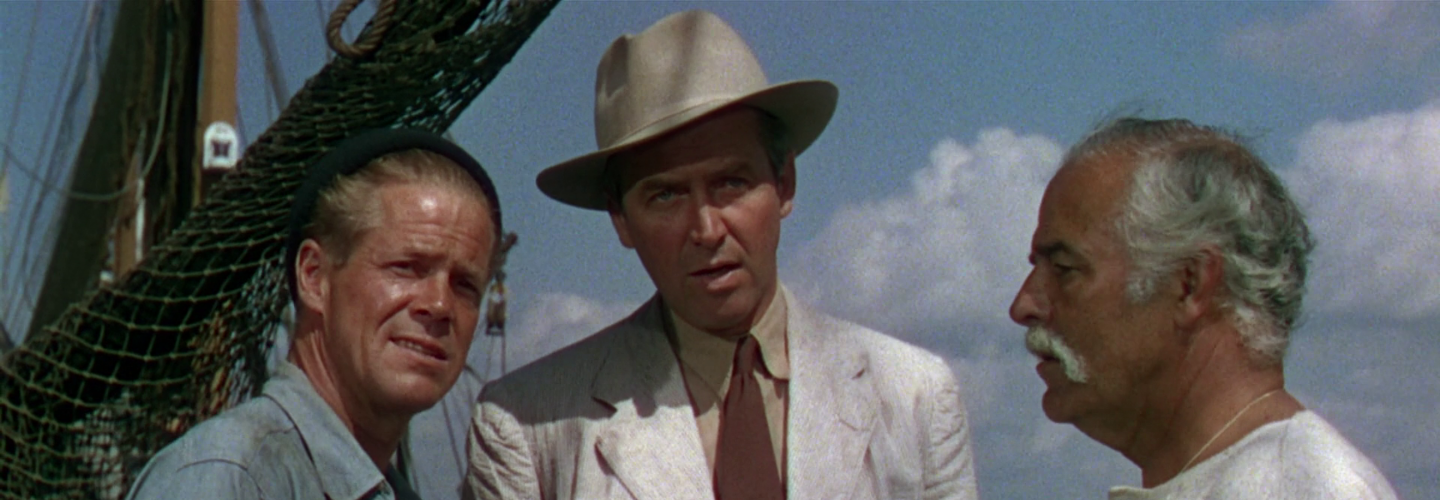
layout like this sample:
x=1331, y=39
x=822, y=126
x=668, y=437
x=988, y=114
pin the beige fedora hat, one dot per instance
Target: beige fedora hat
x=685, y=67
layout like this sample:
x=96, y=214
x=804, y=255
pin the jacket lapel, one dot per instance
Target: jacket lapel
x=832, y=412
x=651, y=442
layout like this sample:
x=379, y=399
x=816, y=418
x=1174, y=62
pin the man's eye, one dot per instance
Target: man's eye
x=664, y=195
x=468, y=289
x=736, y=183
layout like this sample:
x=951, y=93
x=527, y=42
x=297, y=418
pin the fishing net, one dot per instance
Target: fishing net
x=88, y=400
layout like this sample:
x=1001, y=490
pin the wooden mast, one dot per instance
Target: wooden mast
x=215, y=144
x=143, y=119
x=218, y=140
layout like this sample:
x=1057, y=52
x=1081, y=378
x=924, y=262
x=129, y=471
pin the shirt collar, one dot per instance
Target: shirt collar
x=346, y=471
x=700, y=349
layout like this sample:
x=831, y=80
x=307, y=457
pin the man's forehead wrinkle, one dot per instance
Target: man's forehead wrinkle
x=1093, y=189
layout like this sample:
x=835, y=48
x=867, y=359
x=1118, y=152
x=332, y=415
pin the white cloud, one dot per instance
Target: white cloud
x=554, y=320
x=1345, y=41
x=939, y=263
x=547, y=323
x=1375, y=384
x=951, y=248
x=1371, y=191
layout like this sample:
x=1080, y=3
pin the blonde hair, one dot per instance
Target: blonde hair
x=349, y=207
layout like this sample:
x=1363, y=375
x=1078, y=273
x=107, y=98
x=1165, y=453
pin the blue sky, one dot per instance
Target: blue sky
x=916, y=206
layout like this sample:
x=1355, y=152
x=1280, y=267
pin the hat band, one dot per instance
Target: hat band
x=664, y=123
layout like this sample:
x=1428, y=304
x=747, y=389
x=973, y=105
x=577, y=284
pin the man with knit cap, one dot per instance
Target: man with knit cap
x=394, y=237
x=723, y=385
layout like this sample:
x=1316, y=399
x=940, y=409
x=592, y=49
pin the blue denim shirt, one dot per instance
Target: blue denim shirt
x=285, y=444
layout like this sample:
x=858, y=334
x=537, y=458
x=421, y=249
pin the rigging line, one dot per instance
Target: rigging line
x=57, y=138
x=471, y=396
x=6, y=343
x=270, y=54
x=240, y=124
x=158, y=133
x=77, y=81
x=45, y=183
x=24, y=80
x=149, y=158
x=450, y=431
x=270, y=100
x=30, y=212
x=320, y=11
x=449, y=426
x=489, y=353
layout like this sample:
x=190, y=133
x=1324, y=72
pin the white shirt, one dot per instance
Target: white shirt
x=1299, y=458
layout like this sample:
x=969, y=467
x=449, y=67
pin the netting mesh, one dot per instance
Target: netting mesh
x=85, y=403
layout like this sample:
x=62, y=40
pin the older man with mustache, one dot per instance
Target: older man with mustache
x=1169, y=268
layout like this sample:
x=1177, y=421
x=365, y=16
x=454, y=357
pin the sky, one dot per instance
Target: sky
x=915, y=207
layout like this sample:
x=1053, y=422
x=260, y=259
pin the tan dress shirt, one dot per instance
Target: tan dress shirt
x=706, y=360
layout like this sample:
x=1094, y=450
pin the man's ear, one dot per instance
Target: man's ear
x=1201, y=282
x=312, y=276
x=617, y=219
x=786, y=185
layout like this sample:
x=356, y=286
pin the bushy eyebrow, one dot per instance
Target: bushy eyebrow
x=1049, y=250
x=652, y=183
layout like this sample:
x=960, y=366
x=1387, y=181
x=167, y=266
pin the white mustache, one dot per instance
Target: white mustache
x=1042, y=342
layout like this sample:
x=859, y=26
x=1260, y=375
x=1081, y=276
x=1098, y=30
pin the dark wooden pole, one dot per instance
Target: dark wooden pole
x=152, y=49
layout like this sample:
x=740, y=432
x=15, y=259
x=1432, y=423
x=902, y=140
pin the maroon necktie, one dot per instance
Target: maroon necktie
x=744, y=458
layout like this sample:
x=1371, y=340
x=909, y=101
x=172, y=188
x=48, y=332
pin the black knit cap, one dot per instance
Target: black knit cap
x=356, y=152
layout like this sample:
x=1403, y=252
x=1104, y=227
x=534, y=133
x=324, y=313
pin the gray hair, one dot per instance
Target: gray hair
x=1195, y=185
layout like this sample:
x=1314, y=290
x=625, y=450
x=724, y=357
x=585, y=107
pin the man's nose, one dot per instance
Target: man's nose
x=435, y=299
x=1029, y=307
x=708, y=229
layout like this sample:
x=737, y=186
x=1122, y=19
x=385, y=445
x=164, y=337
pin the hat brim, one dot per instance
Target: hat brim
x=804, y=106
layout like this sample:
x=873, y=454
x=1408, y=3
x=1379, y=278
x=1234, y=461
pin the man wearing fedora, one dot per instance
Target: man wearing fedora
x=723, y=385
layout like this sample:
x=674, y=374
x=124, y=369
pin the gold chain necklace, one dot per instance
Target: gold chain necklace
x=1222, y=430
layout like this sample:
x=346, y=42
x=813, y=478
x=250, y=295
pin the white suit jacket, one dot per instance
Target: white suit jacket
x=609, y=417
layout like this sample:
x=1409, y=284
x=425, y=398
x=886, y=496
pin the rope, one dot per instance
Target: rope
x=368, y=40
x=39, y=180
x=278, y=90
x=24, y=79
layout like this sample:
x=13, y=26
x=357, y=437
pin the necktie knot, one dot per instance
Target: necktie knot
x=746, y=355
